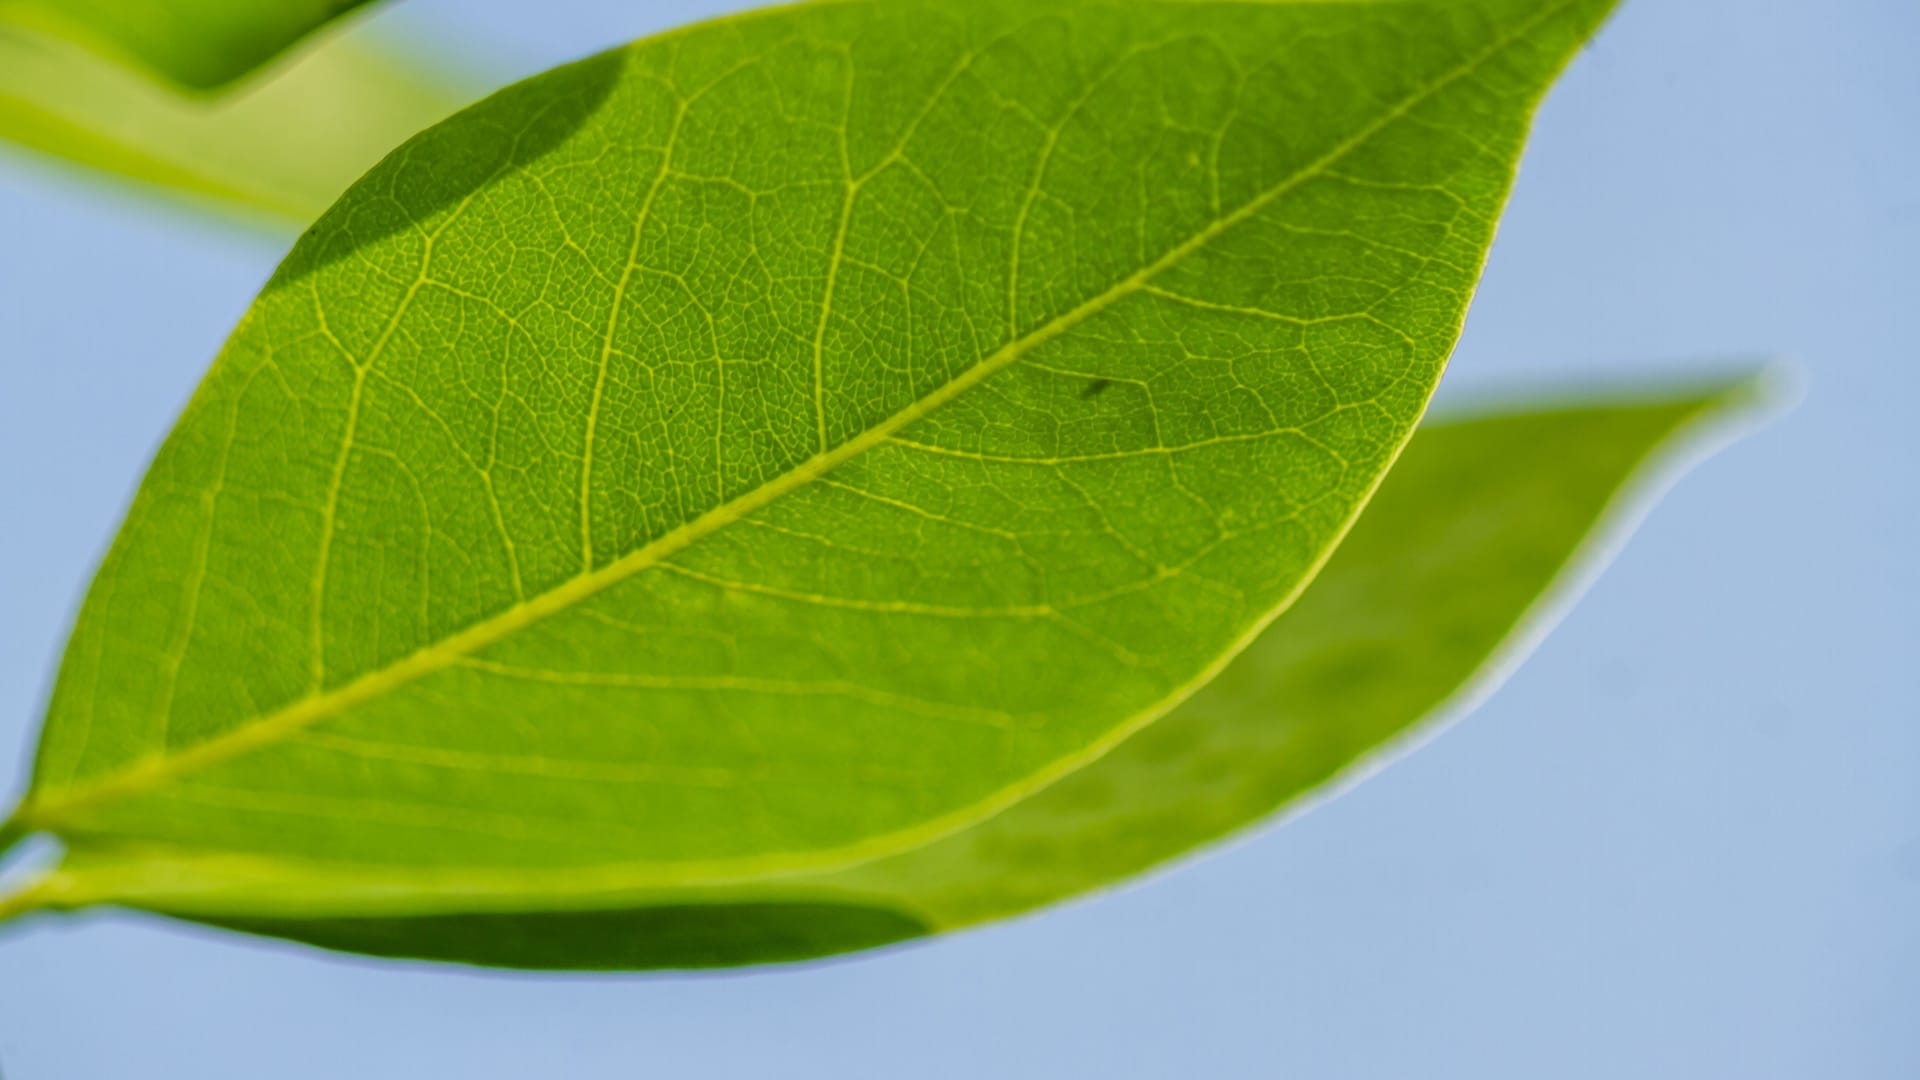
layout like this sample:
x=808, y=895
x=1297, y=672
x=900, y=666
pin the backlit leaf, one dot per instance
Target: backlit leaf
x=785, y=442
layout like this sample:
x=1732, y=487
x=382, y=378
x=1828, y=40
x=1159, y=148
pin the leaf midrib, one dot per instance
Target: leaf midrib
x=46, y=814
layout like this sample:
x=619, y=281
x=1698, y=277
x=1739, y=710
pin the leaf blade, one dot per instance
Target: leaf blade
x=278, y=572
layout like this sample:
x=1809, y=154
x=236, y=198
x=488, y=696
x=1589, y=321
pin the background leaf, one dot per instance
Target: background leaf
x=281, y=149
x=201, y=44
x=1475, y=542
x=786, y=441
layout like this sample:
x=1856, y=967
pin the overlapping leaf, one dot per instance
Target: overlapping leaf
x=783, y=443
x=1483, y=530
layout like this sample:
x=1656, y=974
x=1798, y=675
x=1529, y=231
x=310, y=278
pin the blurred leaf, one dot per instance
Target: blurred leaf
x=782, y=443
x=281, y=149
x=1477, y=540
x=201, y=44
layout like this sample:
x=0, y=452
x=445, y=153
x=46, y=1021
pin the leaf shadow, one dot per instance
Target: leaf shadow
x=453, y=160
x=667, y=937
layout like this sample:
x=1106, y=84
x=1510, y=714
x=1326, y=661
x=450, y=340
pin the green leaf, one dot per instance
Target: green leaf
x=201, y=44
x=1474, y=544
x=785, y=442
x=282, y=151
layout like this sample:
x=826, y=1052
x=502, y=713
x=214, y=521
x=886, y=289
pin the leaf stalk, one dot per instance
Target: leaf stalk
x=31, y=893
x=31, y=897
x=12, y=831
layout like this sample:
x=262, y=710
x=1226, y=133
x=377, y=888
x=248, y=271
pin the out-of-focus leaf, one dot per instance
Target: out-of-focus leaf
x=201, y=44
x=281, y=149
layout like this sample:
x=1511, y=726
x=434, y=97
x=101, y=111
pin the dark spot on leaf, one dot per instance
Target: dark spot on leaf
x=1095, y=387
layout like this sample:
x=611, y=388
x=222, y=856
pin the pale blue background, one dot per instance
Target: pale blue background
x=1683, y=842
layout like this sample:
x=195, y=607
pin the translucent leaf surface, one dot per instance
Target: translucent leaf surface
x=785, y=442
